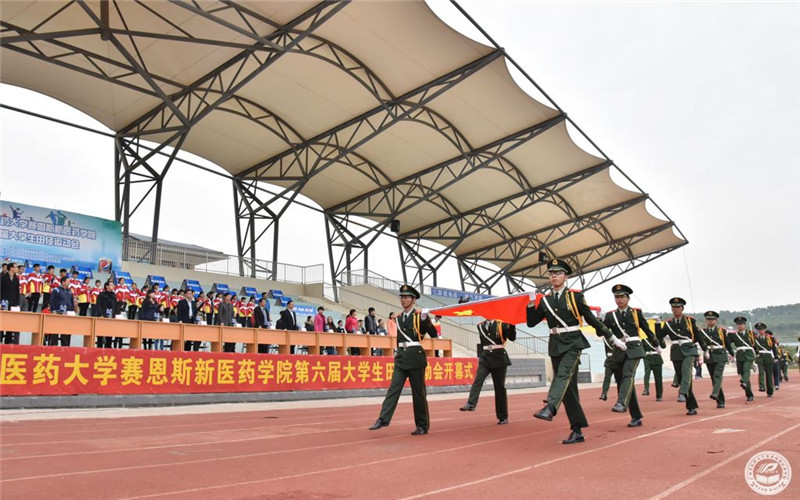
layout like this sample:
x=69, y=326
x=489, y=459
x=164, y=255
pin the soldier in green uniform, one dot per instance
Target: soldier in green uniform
x=784, y=358
x=766, y=353
x=653, y=362
x=609, y=370
x=716, y=354
x=681, y=331
x=626, y=323
x=409, y=363
x=565, y=311
x=493, y=360
x=741, y=344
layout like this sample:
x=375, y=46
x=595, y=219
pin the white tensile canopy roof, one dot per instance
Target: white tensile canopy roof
x=370, y=108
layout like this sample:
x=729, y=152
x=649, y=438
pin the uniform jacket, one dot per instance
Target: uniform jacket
x=679, y=331
x=412, y=329
x=742, y=345
x=61, y=296
x=627, y=324
x=650, y=355
x=765, y=347
x=714, y=342
x=225, y=313
x=489, y=335
x=569, y=307
x=184, y=314
x=288, y=320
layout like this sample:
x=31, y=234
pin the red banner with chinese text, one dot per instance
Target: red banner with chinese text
x=49, y=371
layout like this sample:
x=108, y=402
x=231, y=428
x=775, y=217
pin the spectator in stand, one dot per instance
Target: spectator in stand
x=438, y=325
x=35, y=287
x=9, y=291
x=174, y=299
x=351, y=326
x=381, y=330
x=187, y=313
x=22, y=274
x=309, y=324
x=133, y=300
x=225, y=318
x=251, y=307
x=330, y=326
x=216, y=303
x=121, y=292
x=371, y=322
x=150, y=311
x=208, y=308
x=75, y=284
x=319, y=320
x=203, y=306
x=83, y=297
x=288, y=321
x=261, y=320
x=361, y=329
x=48, y=282
x=340, y=327
x=94, y=292
x=106, y=303
x=61, y=301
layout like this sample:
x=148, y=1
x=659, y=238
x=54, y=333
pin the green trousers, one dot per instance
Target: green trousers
x=765, y=379
x=564, y=388
x=416, y=378
x=656, y=369
x=500, y=393
x=683, y=369
x=624, y=374
x=716, y=370
x=744, y=369
x=609, y=372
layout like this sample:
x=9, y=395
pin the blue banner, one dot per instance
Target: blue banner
x=83, y=272
x=220, y=288
x=275, y=294
x=156, y=280
x=457, y=294
x=304, y=311
x=116, y=275
x=192, y=285
x=248, y=291
x=64, y=239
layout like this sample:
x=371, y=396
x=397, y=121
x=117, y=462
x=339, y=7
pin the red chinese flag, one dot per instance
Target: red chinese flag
x=510, y=309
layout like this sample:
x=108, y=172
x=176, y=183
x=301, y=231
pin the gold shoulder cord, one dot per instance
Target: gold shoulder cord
x=573, y=306
x=500, y=331
x=416, y=321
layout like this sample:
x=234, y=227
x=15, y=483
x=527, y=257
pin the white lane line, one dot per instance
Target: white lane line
x=722, y=464
x=574, y=455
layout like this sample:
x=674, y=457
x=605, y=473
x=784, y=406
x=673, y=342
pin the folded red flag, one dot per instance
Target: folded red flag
x=510, y=309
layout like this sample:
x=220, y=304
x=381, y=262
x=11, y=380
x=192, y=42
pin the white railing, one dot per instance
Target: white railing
x=219, y=263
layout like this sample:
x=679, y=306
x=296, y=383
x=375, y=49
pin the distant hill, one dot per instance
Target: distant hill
x=784, y=320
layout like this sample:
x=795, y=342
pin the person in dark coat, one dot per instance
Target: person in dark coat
x=106, y=302
x=9, y=291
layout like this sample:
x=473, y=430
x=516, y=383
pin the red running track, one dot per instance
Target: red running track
x=329, y=453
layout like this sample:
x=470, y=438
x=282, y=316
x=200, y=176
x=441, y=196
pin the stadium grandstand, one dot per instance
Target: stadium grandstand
x=430, y=138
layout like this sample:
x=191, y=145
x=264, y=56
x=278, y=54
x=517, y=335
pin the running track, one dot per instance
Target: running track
x=325, y=451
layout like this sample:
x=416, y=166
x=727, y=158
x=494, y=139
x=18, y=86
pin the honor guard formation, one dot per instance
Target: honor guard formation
x=628, y=340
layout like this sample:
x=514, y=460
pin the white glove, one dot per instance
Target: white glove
x=532, y=295
x=658, y=349
x=424, y=314
x=620, y=344
x=707, y=355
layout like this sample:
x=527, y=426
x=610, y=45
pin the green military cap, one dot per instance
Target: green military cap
x=677, y=301
x=769, y=332
x=559, y=265
x=409, y=291
x=740, y=320
x=711, y=314
x=621, y=290
x=760, y=326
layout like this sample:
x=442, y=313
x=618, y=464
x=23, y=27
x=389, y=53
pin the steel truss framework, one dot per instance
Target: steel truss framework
x=258, y=211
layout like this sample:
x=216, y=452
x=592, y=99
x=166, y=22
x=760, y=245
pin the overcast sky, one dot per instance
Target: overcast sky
x=699, y=103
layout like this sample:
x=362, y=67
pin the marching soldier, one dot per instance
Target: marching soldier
x=741, y=344
x=609, y=370
x=409, y=363
x=784, y=357
x=716, y=354
x=626, y=323
x=565, y=311
x=776, y=363
x=653, y=362
x=493, y=360
x=766, y=353
x=681, y=331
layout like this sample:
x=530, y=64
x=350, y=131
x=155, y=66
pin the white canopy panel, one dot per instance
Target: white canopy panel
x=370, y=108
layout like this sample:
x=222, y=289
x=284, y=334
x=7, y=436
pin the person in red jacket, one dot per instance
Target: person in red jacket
x=48, y=282
x=94, y=292
x=35, y=286
x=133, y=300
x=83, y=297
x=121, y=294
